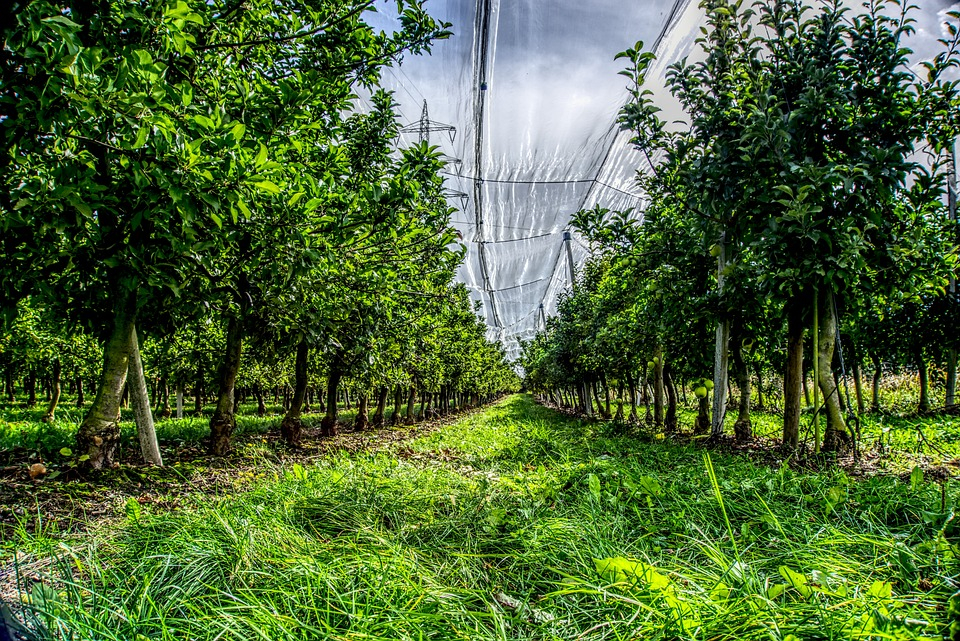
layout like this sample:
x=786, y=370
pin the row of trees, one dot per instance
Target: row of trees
x=805, y=197
x=174, y=167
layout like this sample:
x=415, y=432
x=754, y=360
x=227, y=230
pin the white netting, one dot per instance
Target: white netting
x=523, y=99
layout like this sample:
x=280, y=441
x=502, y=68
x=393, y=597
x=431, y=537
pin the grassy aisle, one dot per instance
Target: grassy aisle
x=517, y=523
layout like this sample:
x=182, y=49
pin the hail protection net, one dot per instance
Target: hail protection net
x=523, y=102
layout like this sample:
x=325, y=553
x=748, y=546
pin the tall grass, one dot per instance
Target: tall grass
x=517, y=523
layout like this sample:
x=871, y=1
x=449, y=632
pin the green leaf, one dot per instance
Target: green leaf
x=261, y=156
x=880, y=590
x=594, y=484
x=795, y=580
x=203, y=121
x=267, y=186
x=66, y=451
x=65, y=21
x=141, y=140
x=916, y=478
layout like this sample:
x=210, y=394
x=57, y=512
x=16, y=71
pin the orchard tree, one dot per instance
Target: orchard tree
x=132, y=132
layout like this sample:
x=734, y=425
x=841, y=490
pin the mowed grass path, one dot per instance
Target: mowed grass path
x=519, y=523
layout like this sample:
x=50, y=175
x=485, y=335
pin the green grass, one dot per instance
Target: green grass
x=21, y=427
x=517, y=523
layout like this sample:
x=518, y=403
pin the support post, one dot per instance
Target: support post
x=721, y=358
x=951, y=397
x=816, y=372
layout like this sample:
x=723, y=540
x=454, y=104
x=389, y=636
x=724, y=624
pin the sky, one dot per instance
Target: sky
x=534, y=129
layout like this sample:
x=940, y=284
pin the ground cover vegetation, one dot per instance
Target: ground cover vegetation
x=198, y=201
x=517, y=522
x=799, y=227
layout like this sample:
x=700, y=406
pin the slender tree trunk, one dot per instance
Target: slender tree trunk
x=224, y=420
x=411, y=404
x=165, y=392
x=836, y=435
x=378, y=415
x=362, y=421
x=328, y=426
x=758, y=372
x=793, y=374
x=658, y=388
x=55, y=392
x=742, y=428
x=619, y=415
x=291, y=427
x=261, y=402
x=397, y=403
x=99, y=434
x=31, y=389
x=198, y=390
x=179, y=413
x=858, y=382
x=606, y=398
x=595, y=387
x=137, y=384
x=923, y=402
x=670, y=420
x=806, y=389
x=702, y=425
x=632, y=387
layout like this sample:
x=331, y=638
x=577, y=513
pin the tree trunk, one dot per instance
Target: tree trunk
x=328, y=426
x=806, y=389
x=224, y=420
x=923, y=403
x=99, y=434
x=742, y=428
x=424, y=396
x=137, y=384
x=291, y=427
x=411, y=402
x=31, y=389
x=397, y=403
x=378, y=415
x=702, y=425
x=179, y=399
x=198, y=390
x=670, y=420
x=261, y=402
x=79, y=384
x=54, y=392
x=619, y=415
x=758, y=372
x=595, y=387
x=858, y=382
x=606, y=399
x=165, y=390
x=836, y=434
x=658, y=389
x=793, y=374
x=362, y=421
